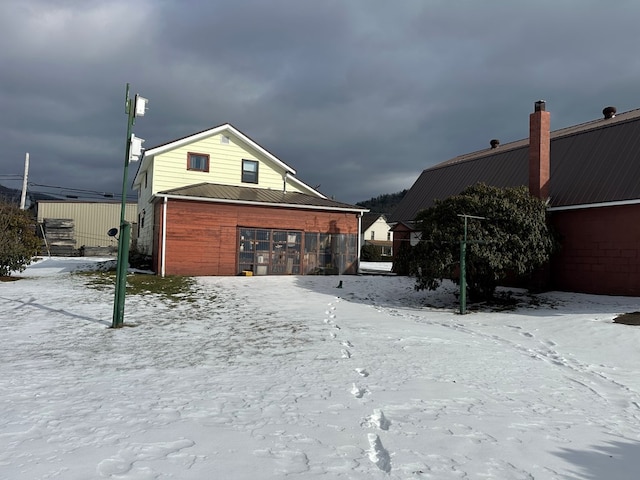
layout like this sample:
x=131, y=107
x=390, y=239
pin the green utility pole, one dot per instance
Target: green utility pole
x=132, y=107
x=463, y=265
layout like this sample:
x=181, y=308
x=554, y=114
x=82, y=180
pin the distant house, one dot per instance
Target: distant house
x=376, y=231
x=590, y=175
x=217, y=203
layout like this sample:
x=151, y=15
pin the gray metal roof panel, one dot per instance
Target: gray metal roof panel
x=595, y=162
x=256, y=195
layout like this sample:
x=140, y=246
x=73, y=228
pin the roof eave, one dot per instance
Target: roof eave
x=615, y=203
x=261, y=204
x=304, y=185
x=214, y=131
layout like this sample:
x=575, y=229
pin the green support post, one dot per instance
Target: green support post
x=463, y=264
x=121, y=274
x=463, y=273
x=125, y=227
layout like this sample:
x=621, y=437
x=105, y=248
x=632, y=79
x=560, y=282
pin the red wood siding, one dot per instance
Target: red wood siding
x=401, y=241
x=201, y=237
x=600, y=250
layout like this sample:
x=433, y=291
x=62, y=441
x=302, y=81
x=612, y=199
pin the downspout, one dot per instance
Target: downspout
x=164, y=237
x=284, y=187
x=359, y=242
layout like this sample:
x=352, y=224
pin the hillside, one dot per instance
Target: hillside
x=384, y=203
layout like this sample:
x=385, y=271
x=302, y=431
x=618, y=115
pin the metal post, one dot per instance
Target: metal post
x=463, y=271
x=125, y=227
x=463, y=277
x=463, y=264
x=23, y=197
x=121, y=274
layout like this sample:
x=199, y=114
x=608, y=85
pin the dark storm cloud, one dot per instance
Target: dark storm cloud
x=358, y=96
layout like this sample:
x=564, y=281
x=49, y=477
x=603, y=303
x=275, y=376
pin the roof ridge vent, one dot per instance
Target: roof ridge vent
x=609, y=112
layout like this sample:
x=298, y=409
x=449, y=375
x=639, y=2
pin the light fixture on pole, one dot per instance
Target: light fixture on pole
x=136, y=148
x=135, y=107
x=141, y=106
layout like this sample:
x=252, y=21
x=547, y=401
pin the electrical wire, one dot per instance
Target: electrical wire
x=79, y=191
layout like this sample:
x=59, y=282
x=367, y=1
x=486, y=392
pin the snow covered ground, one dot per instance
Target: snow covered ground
x=290, y=377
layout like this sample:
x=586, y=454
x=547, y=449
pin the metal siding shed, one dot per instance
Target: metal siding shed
x=91, y=220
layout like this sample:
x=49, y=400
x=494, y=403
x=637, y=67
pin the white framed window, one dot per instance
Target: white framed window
x=249, y=171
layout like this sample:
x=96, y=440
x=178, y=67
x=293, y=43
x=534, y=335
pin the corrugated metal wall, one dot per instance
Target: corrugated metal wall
x=91, y=220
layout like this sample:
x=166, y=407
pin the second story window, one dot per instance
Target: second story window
x=373, y=235
x=198, y=162
x=249, y=171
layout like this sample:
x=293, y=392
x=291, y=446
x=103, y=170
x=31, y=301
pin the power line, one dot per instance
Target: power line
x=81, y=192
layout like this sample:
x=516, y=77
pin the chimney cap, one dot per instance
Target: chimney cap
x=540, y=106
x=495, y=143
x=609, y=112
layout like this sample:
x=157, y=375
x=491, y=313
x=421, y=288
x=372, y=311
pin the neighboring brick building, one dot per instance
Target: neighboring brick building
x=590, y=175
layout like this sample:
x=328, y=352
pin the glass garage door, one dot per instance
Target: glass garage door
x=269, y=252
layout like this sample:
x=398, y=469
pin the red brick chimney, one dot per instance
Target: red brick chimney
x=539, y=151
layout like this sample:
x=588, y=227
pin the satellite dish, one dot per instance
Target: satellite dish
x=112, y=232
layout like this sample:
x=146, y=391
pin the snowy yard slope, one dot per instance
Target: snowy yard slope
x=290, y=377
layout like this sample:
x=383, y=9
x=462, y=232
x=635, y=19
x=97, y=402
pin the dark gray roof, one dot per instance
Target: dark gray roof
x=593, y=162
x=230, y=193
x=369, y=219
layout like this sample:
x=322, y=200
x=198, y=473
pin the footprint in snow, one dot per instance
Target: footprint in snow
x=378, y=420
x=347, y=344
x=357, y=391
x=346, y=353
x=378, y=454
x=362, y=372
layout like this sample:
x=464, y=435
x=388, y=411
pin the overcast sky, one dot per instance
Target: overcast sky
x=358, y=96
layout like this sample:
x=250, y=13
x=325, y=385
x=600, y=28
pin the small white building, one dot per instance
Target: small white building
x=376, y=231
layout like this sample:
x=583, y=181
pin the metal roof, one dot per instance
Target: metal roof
x=594, y=162
x=246, y=195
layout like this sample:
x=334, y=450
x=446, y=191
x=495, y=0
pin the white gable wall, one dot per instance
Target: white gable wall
x=225, y=166
x=380, y=229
